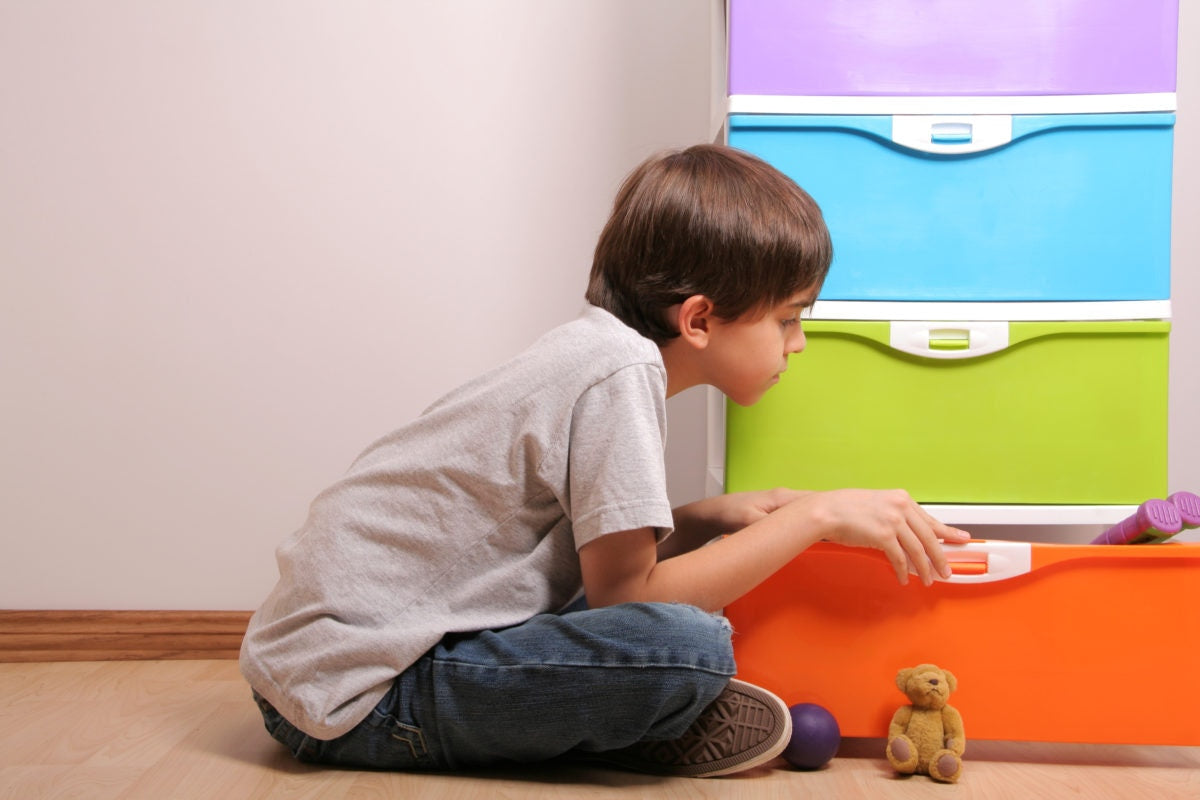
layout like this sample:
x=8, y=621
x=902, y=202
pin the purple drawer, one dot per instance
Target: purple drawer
x=948, y=48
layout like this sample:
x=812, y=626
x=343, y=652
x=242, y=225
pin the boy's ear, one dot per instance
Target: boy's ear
x=696, y=320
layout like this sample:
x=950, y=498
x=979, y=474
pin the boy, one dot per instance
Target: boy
x=424, y=618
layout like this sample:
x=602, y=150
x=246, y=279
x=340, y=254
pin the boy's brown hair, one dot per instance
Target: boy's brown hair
x=709, y=220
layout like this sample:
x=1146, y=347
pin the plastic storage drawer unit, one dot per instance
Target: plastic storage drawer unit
x=1067, y=643
x=1070, y=207
x=918, y=47
x=957, y=412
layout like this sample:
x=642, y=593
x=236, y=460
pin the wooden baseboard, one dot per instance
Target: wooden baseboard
x=120, y=635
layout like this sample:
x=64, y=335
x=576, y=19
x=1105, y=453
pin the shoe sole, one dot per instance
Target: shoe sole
x=745, y=727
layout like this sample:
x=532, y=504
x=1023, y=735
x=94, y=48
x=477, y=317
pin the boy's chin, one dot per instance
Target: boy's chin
x=745, y=401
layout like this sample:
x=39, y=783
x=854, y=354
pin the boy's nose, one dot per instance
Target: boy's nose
x=797, y=341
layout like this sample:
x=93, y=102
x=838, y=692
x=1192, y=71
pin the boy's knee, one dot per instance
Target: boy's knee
x=685, y=631
x=683, y=618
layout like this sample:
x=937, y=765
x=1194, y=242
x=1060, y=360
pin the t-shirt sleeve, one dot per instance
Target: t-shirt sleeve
x=617, y=473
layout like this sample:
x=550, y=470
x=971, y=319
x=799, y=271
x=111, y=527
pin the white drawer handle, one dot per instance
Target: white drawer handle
x=948, y=339
x=988, y=561
x=952, y=135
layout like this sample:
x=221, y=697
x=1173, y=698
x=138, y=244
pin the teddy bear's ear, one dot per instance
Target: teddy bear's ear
x=950, y=679
x=902, y=679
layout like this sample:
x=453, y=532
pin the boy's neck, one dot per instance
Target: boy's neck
x=680, y=363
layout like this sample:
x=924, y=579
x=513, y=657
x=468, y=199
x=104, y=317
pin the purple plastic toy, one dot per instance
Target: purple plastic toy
x=1188, y=506
x=1154, y=520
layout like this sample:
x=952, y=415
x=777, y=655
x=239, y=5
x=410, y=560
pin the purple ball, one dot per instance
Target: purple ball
x=815, y=737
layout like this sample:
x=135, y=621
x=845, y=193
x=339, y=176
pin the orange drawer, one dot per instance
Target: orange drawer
x=1067, y=643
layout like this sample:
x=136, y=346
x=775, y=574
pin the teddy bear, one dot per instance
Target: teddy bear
x=927, y=736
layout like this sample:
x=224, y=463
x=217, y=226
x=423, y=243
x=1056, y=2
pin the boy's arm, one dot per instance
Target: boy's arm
x=700, y=522
x=624, y=567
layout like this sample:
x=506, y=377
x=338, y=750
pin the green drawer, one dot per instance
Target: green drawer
x=1009, y=412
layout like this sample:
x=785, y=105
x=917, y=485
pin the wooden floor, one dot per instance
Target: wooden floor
x=169, y=730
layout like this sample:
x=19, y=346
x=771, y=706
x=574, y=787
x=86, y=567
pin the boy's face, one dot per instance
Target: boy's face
x=748, y=354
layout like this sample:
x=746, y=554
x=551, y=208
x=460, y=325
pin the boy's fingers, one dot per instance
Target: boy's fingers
x=941, y=529
x=918, y=560
x=950, y=532
x=899, y=561
x=926, y=551
x=943, y=533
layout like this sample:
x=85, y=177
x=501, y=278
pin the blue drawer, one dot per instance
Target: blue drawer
x=1058, y=207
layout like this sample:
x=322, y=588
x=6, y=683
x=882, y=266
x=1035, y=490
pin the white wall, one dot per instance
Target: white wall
x=240, y=240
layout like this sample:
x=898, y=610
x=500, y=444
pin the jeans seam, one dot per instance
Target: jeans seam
x=585, y=665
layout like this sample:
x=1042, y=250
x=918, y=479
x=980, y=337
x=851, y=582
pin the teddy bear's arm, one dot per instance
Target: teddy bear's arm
x=900, y=721
x=952, y=725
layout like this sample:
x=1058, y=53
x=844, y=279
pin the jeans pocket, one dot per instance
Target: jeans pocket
x=405, y=743
x=381, y=741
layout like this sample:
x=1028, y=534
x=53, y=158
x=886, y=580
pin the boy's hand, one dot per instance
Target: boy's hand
x=745, y=508
x=889, y=521
x=700, y=522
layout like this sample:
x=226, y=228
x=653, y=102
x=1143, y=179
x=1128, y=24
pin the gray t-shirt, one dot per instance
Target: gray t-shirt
x=467, y=519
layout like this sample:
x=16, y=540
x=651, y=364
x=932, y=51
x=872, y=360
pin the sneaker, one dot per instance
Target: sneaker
x=744, y=727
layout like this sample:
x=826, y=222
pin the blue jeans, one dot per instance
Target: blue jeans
x=584, y=681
